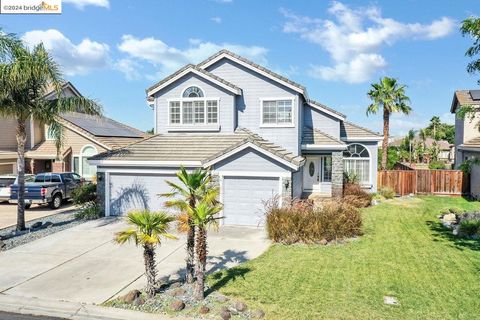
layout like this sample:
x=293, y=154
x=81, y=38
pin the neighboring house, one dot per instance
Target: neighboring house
x=85, y=136
x=446, y=149
x=467, y=135
x=259, y=133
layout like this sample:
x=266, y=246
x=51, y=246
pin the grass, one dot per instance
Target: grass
x=404, y=253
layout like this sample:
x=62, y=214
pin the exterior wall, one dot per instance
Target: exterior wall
x=337, y=173
x=248, y=106
x=39, y=132
x=77, y=142
x=101, y=192
x=175, y=90
x=459, y=124
x=297, y=183
x=314, y=118
x=8, y=129
x=250, y=160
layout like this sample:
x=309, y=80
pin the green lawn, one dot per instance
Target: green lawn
x=404, y=253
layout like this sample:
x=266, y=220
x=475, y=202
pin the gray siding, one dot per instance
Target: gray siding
x=175, y=90
x=314, y=118
x=297, y=183
x=250, y=160
x=256, y=87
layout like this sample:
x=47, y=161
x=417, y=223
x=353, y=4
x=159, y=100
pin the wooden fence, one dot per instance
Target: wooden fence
x=437, y=182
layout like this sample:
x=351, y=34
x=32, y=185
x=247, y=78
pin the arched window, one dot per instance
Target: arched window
x=80, y=163
x=356, y=160
x=193, y=92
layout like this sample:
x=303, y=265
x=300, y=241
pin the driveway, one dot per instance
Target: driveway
x=83, y=264
x=8, y=213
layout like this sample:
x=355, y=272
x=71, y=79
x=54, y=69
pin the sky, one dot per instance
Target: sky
x=112, y=50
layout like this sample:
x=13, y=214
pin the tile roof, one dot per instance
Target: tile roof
x=317, y=137
x=321, y=105
x=473, y=143
x=350, y=130
x=193, y=147
x=253, y=64
x=462, y=97
x=46, y=149
x=188, y=66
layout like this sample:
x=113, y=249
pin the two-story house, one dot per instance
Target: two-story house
x=260, y=133
x=467, y=135
x=84, y=136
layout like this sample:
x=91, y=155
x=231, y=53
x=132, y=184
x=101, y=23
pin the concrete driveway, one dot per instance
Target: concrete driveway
x=82, y=264
x=8, y=213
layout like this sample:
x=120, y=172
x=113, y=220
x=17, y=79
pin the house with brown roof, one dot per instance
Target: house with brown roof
x=85, y=136
x=467, y=134
x=259, y=133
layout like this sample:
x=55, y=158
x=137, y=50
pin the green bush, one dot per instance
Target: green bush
x=387, y=192
x=301, y=222
x=433, y=165
x=89, y=211
x=469, y=228
x=356, y=196
x=85, y=198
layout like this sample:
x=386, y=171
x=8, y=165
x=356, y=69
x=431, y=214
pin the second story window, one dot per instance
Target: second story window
x=49, y=135
x=193, y=108
x=277, y=112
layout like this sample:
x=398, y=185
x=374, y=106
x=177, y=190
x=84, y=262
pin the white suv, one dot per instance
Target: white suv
x=6, y=181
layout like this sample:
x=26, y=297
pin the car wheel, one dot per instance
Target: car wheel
x=56, y=201
x=27, y=206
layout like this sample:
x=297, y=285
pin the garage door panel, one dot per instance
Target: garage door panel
x=243, y=197
x=135, y=191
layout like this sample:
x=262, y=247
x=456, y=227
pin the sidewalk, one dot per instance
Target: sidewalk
x=72, y=310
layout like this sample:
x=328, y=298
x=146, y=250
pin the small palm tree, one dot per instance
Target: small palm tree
x=202, y=216
x=193, y=188
x=388, y=96
x=26, y=75
x=147, y=229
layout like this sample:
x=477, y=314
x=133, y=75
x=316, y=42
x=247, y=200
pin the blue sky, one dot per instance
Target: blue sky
x=111, y=50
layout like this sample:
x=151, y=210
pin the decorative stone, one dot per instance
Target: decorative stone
x=390, y=300
x=131, y=296
x=177, y=305
x=177, y=292
x=36, y=225
x=138, y=301
x=323, y=242
x=225, y=314
x=175, y=285
x=258, y=314
x=240, y=306
x=221, y=298
x=2, y=245
x=204, y=310
x=47, y=224
x=450, y=217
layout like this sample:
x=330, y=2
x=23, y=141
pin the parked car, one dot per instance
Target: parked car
x=48, y=188
x=6, y=181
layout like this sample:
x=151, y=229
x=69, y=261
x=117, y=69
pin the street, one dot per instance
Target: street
x=16, y=316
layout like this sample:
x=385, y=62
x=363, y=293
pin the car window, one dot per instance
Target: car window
x=29, y=178
x=56, y=178
x=76, y=177
x=5, y=182
x=39, y=178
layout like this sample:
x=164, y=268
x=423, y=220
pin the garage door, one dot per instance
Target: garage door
x=136, y=191
x=243, y=196
x=6, y=168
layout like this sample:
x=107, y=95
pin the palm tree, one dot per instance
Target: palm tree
x=194, y=187
x=26, y=75
x=435, y=124
x=147, y=229
x=423, y=134
x=389, y=96
x=202, y=216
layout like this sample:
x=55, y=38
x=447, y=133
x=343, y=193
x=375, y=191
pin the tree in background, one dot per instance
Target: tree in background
x=389, y=97
x=471, y=27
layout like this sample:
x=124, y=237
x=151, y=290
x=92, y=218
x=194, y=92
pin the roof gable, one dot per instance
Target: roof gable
x=464, y=97
x=323, y=108
x=350, y=131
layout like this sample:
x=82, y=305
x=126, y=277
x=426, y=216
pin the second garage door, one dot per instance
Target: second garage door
x=243, y=196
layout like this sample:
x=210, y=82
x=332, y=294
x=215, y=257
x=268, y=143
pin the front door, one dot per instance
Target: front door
x=317, y=173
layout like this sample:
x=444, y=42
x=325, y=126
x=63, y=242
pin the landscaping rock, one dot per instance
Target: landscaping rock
x=175, y=285
x=323, y=242
x=240, y=306
x=450, y=217
x=204, y=310
x=221, y=298
x=2, y=245
x=177, y=305
x=131, y=296
x=177, y=292
x=47, y=224
x=225, y=314
x=37, y=225
x=138, y=301
x=390, y=300
x=258, y=314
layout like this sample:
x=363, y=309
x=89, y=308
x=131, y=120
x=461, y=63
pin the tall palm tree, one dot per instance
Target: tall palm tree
x=147, y=229
x=193, y=188
x=435, y=124
x=388, y=96
x=26, y=75
x=202, y=216
x=423, y=134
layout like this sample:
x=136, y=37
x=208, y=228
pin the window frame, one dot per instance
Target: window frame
x=47, y=135
x=290, y=124
x=205, y=122
x=369, y=158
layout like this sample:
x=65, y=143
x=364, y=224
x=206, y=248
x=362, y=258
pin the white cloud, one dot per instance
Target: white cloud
x=216, y=19
x=75, y=59
x=81, y=4
x=129, y=68
x=354, y=37
x=168, y=59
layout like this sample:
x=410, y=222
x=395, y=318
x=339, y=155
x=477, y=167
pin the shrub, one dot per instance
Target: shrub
x=350, y=177
x=300, y=221
x=89, y=211
x=436, y=165
x=356, y=196
x=469, y=227
x=387, y=192
x=85, y=198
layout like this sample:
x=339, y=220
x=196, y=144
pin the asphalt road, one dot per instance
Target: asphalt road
x=16, y=316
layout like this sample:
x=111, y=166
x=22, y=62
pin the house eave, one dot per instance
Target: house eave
x=144, y=163
x=359, y=139
x=323, y=147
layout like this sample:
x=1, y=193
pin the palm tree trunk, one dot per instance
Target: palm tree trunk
x=21, y=139
x=386, y=125
x=150, y=272
x=190, y=248
x=201, y=263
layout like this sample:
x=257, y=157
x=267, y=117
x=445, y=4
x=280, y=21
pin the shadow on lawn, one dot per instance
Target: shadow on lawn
x=440, y=232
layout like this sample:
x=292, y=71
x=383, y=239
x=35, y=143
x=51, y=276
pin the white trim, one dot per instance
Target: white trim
x=465, y=148
x=107, y=194
x=192, y=85
x=198, y=73
x=140, y=163
x=249, y=66
x=155, y=114
x=355, y=139
x=32, y=133
x=266, y=174
x=323, y=147
x=370, y=163
x=81, y=156
x=68, y=126
x=324, y=110
x=191, y=128
x=278, y=125
x=139, y=171
x=205, y=112
x=255, y=147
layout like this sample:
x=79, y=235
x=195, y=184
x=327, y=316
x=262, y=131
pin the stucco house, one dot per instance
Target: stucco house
x=259, y=133
x=467, y=135
x=84, y=136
